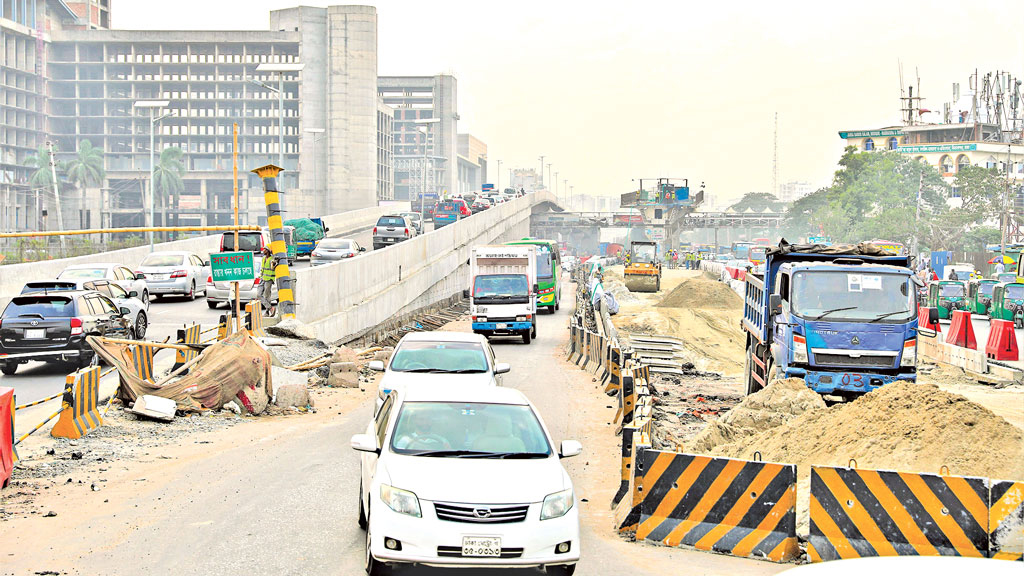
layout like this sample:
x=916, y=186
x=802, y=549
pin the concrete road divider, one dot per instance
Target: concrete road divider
x=7, y=456
x=142, y=361
x=1006, y=520
x=631, y=492
x=189, y=335
x=736, y=507
x=79, y=413
x=254, y=319
x=961, y=332
x=1002, y=341
x=858, y=513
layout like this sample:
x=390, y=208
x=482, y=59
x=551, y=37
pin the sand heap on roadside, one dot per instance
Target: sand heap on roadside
x=701, y=293
x=778, y=404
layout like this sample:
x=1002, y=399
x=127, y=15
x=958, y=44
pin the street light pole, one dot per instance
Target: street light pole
x=555, y=182
x=541, y=171
x=154, y=106
x=498, y=185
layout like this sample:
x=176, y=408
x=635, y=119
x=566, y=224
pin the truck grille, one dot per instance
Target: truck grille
x=471, y=514
x=456, y=552
x=847, y=360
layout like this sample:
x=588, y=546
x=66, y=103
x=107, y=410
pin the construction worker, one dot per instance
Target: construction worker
x=267, y=278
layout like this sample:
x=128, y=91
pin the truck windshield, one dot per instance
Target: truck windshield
x=859, y=297
x=500, y=285
x=644, y=253
x=1014, y=292
x=951, y=290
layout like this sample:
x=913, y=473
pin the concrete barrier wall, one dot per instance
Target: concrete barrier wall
x=346, y=298
x=355, y=220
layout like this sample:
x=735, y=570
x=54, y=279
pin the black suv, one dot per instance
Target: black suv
x=52, y=326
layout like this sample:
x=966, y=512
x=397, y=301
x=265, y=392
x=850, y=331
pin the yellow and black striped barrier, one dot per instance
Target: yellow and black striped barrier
x=142, y=361
x=42, y=401
x=188, y=335
x=79, y=413
x=858, y=513
x=735, y=507
x=615, y=362
x=627, y=504
x=254, y=318
x=1006, y=520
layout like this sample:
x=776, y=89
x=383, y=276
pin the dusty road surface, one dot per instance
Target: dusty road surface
x=278, y=495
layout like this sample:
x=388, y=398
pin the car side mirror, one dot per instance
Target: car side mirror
x=133, y=294
x=569, y=448
x=933, y=315
x=465, y=293
x=376, y=365
x=361, y=249
x=364, y=443
x=775, y=303
x=502, y=368
x=536, y=289
x=206, y=263
x=125, y=311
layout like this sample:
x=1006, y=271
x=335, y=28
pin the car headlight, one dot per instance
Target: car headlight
x=799, y=349
x=401, y=501
x=557, y=505
x=909, y=357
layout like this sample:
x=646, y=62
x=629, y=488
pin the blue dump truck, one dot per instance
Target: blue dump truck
x=308, y=232
x=843, y=318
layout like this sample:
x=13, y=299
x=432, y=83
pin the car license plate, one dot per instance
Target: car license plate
x=35, y=333
x=481, y=546
x=500, y=326
x=158, y=276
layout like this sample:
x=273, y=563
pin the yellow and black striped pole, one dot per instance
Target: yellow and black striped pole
x=285, y=297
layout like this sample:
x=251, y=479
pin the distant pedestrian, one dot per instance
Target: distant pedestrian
x=1000, y=268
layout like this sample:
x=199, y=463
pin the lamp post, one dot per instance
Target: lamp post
x=541, y=171
x=555, y=182
x=317, y=135
x=498, y=185
x=280, y=70
x=154, y=106
x=549, y=176
x=425, y=122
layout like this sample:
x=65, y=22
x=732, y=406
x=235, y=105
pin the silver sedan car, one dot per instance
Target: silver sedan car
x=331, y=250
x=169, y=273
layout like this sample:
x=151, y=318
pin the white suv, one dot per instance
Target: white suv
x=439, y=357
x=456, y=476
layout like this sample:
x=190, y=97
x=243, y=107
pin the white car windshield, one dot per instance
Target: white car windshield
x=448, y=357
x=469, y=430
x=83, y=273
x=163, y=260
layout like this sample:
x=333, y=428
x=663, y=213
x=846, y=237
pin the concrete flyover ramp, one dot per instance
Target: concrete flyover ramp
x=347, y=298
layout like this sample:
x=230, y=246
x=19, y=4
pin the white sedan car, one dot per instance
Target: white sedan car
x=170, y=272
x=134, y=284
x=455, y=476
x=439, y=357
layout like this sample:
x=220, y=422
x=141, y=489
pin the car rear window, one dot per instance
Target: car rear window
x=447, y=207
x=165, y=259
x=83, y=273
x=45, y=306
x=335, y=244
x=247, y=242
x=390, y=221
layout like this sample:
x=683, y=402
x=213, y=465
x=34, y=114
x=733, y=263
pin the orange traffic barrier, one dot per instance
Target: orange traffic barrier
x=961, y=333
x=1002, y=341
x=922, y=320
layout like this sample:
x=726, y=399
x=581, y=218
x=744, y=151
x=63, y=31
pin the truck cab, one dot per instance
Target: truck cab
x=845, y=324
x=503, y=291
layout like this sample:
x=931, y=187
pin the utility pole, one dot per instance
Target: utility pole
x=541, y=171
x=498, y=185
x=555, y=182
x=549, y=178
x=1006, y=213
x=56, y=192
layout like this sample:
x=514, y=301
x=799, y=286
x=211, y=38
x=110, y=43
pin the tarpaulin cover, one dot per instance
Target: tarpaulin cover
x=862, y=249
x=305, y=229
x=221, y=372
x=6, y=434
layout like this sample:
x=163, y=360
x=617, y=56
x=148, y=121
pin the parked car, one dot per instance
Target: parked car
x=480, y=204
x=439, y=357
x=456, y=476
x=138, y=310
x=117, y=273
x=334, y=249
x=52, y=326
x=170, y=272
x=392, y=229
x=415, y=220
x=218, y=293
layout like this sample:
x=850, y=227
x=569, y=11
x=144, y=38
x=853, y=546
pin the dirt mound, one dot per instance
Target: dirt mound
x=901, y=426
x=701, y=293
x=779, y=403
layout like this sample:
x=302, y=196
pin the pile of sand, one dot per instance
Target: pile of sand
x=780, y=402
x=901, y=426
x=701, y=293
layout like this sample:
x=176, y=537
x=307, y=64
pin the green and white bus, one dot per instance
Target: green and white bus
x=549, y=266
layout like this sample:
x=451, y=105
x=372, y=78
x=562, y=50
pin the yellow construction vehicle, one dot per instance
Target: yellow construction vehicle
x=643, y=270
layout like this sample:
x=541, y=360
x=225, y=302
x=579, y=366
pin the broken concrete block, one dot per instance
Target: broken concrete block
x=383, y=356
x=344, y=354
x=293, y=395
x=343, y=380
x=154, y=407
x=343, y=367
x=254, y=398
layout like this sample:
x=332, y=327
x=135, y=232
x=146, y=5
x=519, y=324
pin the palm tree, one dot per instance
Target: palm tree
x=167, y=178
x=42, y=176
x=86, y=168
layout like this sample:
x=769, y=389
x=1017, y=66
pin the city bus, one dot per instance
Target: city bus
x=549, y=266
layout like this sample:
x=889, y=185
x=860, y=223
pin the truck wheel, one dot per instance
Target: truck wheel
x=533, y=331
x=9, y=368
x=526, y=337
x=752, y=385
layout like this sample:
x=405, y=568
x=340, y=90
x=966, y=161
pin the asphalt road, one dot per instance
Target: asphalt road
x=35, y=380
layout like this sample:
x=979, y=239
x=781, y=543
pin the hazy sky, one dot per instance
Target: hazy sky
x=614, y=91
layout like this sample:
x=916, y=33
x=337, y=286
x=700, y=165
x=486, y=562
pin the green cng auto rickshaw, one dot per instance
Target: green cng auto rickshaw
x=1008, y=303
x=947, y=295
x=979, y=295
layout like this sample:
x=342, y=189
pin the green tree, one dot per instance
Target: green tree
x=167, y=175
x=758, y=201
x=86, y=168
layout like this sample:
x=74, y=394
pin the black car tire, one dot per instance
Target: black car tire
x=561, y=570
x=141, y=321
x=9, y=368
x=362, y=512
x=213, y=305
x=192, y=293
x=145, y=296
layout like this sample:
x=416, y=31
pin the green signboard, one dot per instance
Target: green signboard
x=231, y=266
x=870, y=133
x=924, y=148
